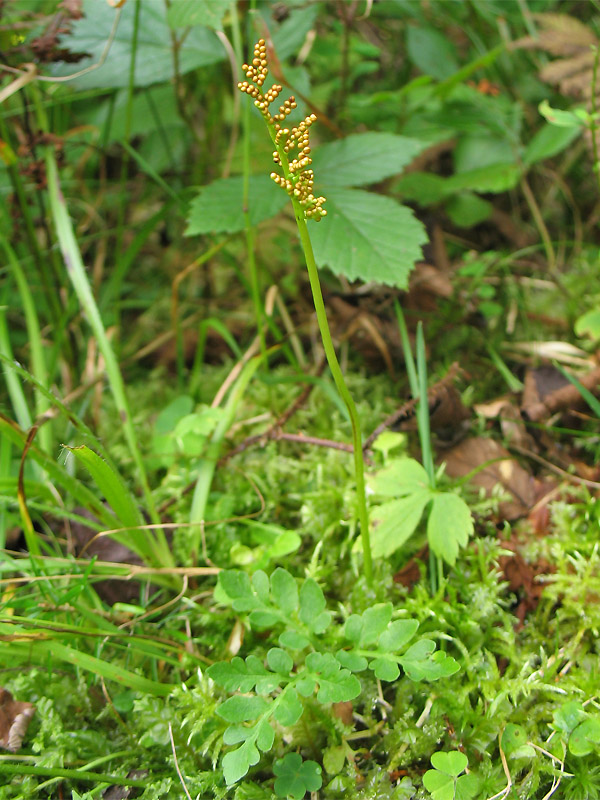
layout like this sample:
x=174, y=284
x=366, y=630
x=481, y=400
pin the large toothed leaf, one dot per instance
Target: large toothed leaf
x=219, y=206
x=154, y=53
x=368, y=237
x=363, y=159
x=449, y=526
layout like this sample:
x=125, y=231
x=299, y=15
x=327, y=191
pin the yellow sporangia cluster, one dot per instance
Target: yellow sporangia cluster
x=299, y=184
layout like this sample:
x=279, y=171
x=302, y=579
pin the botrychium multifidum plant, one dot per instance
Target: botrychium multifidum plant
x=292, y=154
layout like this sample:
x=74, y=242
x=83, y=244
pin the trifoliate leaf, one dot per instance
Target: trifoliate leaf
x=362, y=159
x=444, y=782
x=218, y=207
x=404, y=476
x=395, y=522
x=242, y=708
x=569, y=715
x=585, y=738
x=289, y=708
x=449, y=525
x=296, y=777
x=514, y=742
x=368, y=237
x=284, y=591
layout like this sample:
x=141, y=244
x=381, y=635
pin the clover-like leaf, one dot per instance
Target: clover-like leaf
x=585, y=738
x=445, y=782
x=374, y=622
x=514, y=742
x=569, y=715
x=296, y=777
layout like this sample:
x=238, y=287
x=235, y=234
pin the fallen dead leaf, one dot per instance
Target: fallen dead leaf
x=500, y=468
x=14, y=720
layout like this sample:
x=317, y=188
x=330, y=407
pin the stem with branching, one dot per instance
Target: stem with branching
x=297, y=181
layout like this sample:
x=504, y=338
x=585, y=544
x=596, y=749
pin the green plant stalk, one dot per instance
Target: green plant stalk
x=593, y=108
x=73, y=774
x=15, y=390
x=78, y=277
x=208, y=464
x=38, y=360
x=334, y=366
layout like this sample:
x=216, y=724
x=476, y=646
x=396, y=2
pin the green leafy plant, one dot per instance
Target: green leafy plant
x=449, y=520
x=446, y=781
x=306, y=665
x=295, y=777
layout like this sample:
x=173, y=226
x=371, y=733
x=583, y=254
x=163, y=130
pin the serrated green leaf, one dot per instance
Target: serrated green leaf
x=289, y=708
x=279, y=661
x=284, y=591
x=296, y=777
x=187, y=13
x=293, y=640
x=398, y=635
x=218, y=207
x=362, y=159
x=374, y=621
x=237, y=763
x=404, y=476
x=352, y=661
x=154, y=53
x=385, y=669
x=242, y=708
x=312, y=601
x=449, y=525
x=395, y=522
x=368, y=237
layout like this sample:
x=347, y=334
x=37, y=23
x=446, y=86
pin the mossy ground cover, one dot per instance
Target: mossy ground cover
x=185, y=605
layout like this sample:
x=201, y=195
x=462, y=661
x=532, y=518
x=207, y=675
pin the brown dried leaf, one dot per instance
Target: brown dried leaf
x=14, y=720
x=502, y=469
